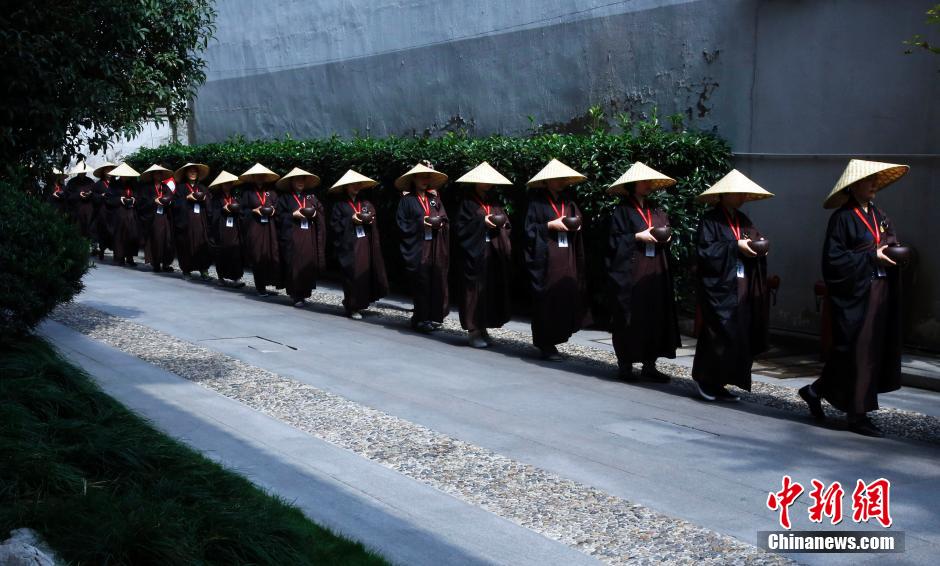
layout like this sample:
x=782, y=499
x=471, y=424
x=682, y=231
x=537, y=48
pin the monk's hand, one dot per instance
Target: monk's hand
x=191, y=198
x=557, y=225
x=880, y=253
x=256, y=211
x=488, y=222
x=645, y=236
x=745, y=249
x=298, y=215
x=356, y=219
x=426, y=223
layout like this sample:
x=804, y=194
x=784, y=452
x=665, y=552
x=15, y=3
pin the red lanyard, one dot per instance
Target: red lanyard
x=262, y=197
x=228, y=199
x=551, y=201
x=128, y=191
x=486, y=207
x=190, y=187
x=425, y=204
x=648, y=217
x=356, y=209
x=158, y=188
x=300, y=203
x=58, y=189
x=735, y=225
x=871, y=227
x=106, y=183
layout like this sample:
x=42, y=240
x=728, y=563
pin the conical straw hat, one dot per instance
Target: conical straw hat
x=80, y=168
x=858, y=169
x=556, y=170
x=438, y=179
x=258, y=174
x=352, y=178
x=152, y=170
x=640, y=172
x=58, y=173
x=201, y=167
x=484, y=173
x=734, y=182
x=103, y=169
x=123, y=170
x=310, y=180
x=223, y=178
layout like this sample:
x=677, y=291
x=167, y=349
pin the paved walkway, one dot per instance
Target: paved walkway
x=688, y=467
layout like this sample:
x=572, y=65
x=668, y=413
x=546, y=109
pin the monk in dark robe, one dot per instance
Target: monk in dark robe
x=120, y=211
x=258, y=205
x=155, y=208
x=78, y=191
x=191, y=220
x=56, y=195
x=225, y=230
x=864, y=293
x=102, y=228
x=554, y=258
x=482, y=229
x=301, y=234
x=644, y=323
x=357, y=246
x=732, y=291
x=425, y=246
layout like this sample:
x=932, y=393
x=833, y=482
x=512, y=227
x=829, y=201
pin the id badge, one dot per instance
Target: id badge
x=360, y=232
x=264, y=219
x=159, y=210
x=196, y=208
x=740, y=269
x=230, y=222
x=304, y=224
x=428, y=234
x=650, y=250
x=882, y=272
x=562, y=240
x=486, y=238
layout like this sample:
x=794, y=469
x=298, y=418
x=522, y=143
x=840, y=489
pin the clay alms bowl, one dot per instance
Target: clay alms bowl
x=234, y=208
x=129, y=202
x=498, y=218
x=267, y=210
x=760, y=246
x=661, y=233
x=308, y=211
x=164, y=200
x=366, y=216
x=571, y=222
x=900, y=253
x=435, y=221
x=199, y=195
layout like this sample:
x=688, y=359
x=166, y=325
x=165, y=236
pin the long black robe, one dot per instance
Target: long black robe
x=486, y=266
x=157, y=224
x=190, y=225
x=865, y=358
x=261, y=246
x=123, y=217
x=426, y=260
x=360, y=259
x=644, y=320
x=78, y=191
x=104, y=226
x=561, y=305
x=58, y=199
x=226, y=239
x=735, y=311
x=303, y=250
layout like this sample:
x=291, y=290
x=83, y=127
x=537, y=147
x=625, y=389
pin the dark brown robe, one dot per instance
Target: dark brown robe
x=302, y=243
x=426, y=252
x=122, y=216
x=104, y=222
x=360, y=258
x=557, y=274
x=261, y=244
x=485, y=266
x=644, y=321
x=225, y=235
x=865, y=358
x=59, y=200
x=191, y=232
x=735, y=310
x=157, y=223
x=78, y=191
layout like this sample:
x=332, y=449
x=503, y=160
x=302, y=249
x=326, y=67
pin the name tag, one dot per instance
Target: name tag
x=196, y=208
x=562, y=240
x=650, y=250
x=428, y=234
x=304, y=224
x=881, y=271
x=740, y=269
x=159, y=210
x=360, y=232
x=264, y=219
x=230, y=222
x=486, y=238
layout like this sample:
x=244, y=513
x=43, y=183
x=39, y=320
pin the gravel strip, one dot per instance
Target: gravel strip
x=609, y=528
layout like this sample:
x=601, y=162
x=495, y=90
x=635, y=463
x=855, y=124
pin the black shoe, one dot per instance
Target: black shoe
x=626, y=374
x=814, y=403
x=650, y=373
x=704, y=391
x=865, y=427
x=425, y=327
x=722, y=394
x=167, y=269
x=551, y=354
x=238, y=284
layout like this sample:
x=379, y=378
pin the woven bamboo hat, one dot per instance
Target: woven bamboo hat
x=123, y=170
x=258, y=174
x=201, y=167
x=80, y=168
x=438, y=179
x=486, y=174
x=153, y=170
x=103, y=169
x=556, y=170
x=285, y=182
x=734, y=182
x=223, y=178
x=858, y=169
x=352, y=178
x=640, y=172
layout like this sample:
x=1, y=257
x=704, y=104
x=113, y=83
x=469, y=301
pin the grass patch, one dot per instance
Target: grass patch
x=104, y=487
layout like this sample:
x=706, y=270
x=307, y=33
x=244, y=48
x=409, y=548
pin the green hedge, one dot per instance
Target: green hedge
x=696, y=159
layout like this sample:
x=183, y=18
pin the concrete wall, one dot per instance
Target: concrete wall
x=779, y=79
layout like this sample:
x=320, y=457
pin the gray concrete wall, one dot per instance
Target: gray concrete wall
x=787, y=78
